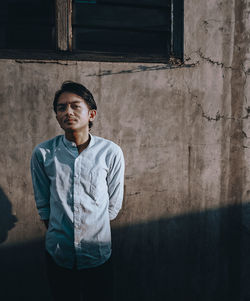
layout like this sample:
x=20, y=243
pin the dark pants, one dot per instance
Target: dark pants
x=74, y=285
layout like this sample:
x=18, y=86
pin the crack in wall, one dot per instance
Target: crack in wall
x=229, y=21
x=133, y=193
x=142, y=68
x=222, y=65
x=172, y=65
x=246, y=73
x=211, y=61
x=245, y=135
x=218, y=116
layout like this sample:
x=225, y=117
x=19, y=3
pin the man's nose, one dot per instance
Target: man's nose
x=69, y=110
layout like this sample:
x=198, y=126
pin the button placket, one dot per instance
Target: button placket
x=77, y=215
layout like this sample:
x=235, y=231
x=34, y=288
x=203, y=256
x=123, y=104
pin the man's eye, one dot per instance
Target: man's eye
x=76, y=107
x=61, y=109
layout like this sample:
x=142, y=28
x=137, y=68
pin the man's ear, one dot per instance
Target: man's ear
x=92, y=115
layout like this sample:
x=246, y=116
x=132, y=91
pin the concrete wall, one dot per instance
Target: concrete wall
x=183, y=232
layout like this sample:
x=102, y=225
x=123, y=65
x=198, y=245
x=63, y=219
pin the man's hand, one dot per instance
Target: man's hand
x=46, y=223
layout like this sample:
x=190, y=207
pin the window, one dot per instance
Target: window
x=27, y=24
x=104, y=30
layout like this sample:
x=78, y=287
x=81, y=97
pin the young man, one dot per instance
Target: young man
x=78, y=187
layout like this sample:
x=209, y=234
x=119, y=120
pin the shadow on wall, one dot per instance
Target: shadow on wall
x=22, y=274
x=7, y=219
x=200, y=256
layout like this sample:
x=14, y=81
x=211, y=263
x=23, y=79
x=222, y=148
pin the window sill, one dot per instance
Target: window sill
x=84, y=56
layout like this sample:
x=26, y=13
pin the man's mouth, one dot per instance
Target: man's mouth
x=69, y=120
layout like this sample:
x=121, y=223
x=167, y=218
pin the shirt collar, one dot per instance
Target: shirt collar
x=72, y=145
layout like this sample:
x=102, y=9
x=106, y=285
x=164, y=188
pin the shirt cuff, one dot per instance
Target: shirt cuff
x=112, y=215
x=44, y=214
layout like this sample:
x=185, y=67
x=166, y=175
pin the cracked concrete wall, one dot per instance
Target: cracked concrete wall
x=185, y=134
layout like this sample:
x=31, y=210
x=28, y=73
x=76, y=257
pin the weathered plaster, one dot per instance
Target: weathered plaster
x=184, y=130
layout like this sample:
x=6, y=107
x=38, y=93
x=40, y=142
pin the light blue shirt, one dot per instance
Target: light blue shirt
x=79, y=194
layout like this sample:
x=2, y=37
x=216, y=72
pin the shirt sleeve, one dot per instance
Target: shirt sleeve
x=41, y=185
x=115, y=180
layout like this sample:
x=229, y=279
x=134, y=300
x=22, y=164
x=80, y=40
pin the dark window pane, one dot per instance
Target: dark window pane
x=162, y=3
x=121, y=17
x=120, y=41
x=122, y=28
x=27, y=24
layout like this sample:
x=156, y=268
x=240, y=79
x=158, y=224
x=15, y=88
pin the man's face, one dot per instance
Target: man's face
x=72, y=112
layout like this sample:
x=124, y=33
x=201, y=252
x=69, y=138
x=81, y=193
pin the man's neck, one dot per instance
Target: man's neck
x=81, y=139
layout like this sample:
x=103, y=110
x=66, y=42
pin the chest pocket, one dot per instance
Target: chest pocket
x=98, y=187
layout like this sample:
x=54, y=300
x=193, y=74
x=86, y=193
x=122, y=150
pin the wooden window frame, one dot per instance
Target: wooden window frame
x=63, y=51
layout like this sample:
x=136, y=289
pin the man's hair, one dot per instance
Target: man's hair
x=79, y=90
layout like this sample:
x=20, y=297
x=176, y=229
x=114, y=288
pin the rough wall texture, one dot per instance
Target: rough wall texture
x=183, y=232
